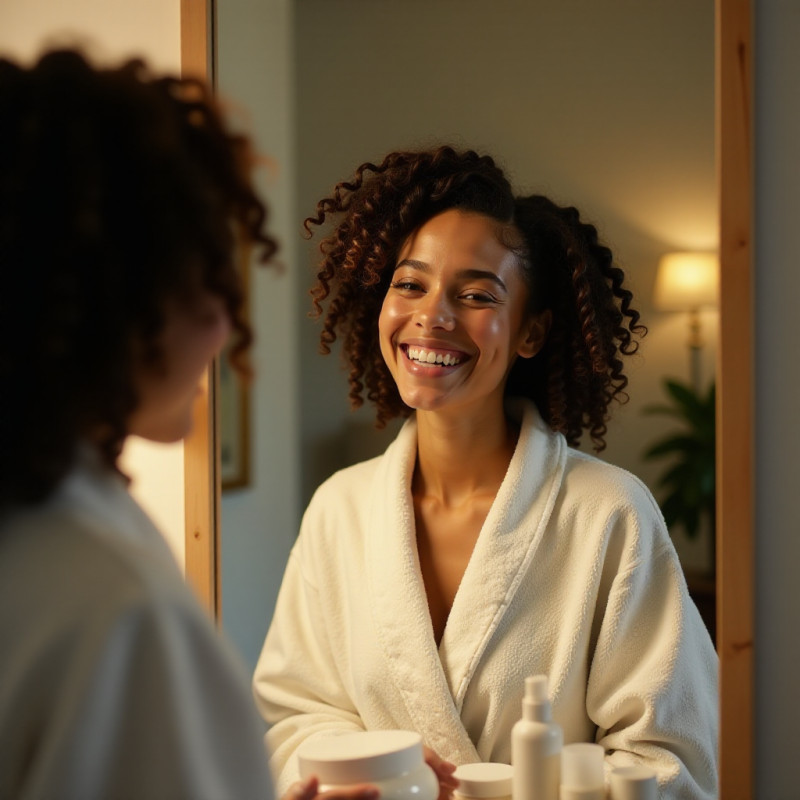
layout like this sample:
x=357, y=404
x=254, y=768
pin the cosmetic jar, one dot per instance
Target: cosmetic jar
x=483, y=781
x=392, y=761
x=633, y=783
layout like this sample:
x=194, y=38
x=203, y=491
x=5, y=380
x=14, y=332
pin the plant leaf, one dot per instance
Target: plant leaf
x=680, y=443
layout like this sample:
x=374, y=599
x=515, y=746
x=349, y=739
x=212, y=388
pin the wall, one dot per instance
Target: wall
x=777, y=397
x=112, y=30
x=255, y=75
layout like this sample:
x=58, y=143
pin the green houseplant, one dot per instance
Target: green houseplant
x=688, y=483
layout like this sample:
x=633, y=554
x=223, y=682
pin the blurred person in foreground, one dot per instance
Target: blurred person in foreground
x=123, y=200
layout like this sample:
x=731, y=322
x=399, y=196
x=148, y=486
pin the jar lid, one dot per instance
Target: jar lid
x=360, y=757
x=484, y=780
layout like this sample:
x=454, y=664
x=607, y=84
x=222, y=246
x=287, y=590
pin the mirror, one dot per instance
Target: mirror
x=276, y=49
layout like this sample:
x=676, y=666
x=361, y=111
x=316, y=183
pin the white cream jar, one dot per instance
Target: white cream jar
x=486, y=781
x=392, y=761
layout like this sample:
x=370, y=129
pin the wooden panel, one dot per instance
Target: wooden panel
x=196, y=21
x=201, y=457
x=735, y=590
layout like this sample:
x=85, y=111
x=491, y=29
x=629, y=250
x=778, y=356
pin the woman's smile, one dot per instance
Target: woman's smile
x=435, y=357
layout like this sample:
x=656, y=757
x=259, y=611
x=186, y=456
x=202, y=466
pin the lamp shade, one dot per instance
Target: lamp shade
x=687, y=281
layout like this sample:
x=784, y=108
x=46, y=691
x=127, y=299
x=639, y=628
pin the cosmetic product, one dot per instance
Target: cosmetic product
x=483, y=781
x=582, y=772
x=392, y=761
x=633, y=783
x=536, y=743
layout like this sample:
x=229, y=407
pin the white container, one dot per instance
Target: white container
x=633, y=783
x=392, y=761
x=484, y=781
x=536, y=743
x=582, y=772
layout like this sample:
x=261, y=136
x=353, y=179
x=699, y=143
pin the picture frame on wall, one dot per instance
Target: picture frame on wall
x=234, y=426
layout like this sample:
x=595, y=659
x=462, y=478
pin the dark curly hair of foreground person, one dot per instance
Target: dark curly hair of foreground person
x=119, y=191
x=578, y=372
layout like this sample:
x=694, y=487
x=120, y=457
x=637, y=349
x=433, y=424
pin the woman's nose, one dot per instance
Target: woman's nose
x=435, y=311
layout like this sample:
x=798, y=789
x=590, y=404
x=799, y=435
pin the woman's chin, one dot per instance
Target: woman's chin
x=425, y=401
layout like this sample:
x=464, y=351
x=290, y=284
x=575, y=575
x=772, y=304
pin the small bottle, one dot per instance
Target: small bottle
x=536, y=743
x=633, y=783
x=583, y=772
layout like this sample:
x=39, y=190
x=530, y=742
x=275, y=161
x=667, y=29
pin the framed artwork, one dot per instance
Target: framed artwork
x=234, y=426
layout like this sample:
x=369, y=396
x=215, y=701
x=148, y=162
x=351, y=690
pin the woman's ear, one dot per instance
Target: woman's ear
x=538, y=326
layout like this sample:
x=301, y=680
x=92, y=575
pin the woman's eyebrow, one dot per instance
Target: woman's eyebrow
x=470, y=274
x=414, y=264
x=482, y=274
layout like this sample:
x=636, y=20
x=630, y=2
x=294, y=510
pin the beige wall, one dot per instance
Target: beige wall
x=259, y=522
x=777, y=398
x=111, y=30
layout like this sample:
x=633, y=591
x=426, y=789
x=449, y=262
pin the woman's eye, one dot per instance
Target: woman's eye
x=478, y=297
x=405, y=286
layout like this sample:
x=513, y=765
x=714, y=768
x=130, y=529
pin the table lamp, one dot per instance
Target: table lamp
x=688, y=282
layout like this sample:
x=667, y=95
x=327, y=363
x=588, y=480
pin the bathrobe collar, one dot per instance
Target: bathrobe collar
x=505, y=547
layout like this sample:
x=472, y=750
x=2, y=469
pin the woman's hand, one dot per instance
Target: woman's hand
x=444, y=772
x=309, y=790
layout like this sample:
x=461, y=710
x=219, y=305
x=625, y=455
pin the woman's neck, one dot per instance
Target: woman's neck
x=461, y=456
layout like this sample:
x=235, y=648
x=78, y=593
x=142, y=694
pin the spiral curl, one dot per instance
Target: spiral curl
x=579, y=370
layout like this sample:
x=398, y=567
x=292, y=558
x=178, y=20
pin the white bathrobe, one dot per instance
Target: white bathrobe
x=113, y=682
x=573, y=576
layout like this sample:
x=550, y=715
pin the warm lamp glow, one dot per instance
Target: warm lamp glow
x=687, y=281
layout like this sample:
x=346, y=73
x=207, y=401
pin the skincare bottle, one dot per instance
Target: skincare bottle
x=536, y=743
x=633, y=783
x=583, y=772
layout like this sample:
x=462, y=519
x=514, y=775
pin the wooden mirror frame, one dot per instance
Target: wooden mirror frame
x=735, y=483
x=202, y=485
x=735, y=495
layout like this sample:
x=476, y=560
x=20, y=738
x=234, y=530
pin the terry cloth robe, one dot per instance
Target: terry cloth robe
x=573, y=576
x=113, y=682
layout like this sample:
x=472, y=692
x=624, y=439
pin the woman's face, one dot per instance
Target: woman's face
x=454, y=318
x=192, y=336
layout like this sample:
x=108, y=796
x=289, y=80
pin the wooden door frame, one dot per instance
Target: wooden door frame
x=735, y=402
x=735, y=513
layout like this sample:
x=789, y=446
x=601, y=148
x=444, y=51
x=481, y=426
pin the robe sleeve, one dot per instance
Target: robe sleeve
x=652, y=688
x=297, y=683
x=156, y=705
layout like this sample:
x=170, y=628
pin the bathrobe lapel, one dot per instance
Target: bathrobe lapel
x=431, y=681
x=399, y=605
x=509, y=539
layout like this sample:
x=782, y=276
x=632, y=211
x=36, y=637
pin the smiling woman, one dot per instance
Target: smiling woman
x=488, y=549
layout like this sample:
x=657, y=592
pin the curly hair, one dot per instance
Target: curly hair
x=119, y=191
x=578, y=372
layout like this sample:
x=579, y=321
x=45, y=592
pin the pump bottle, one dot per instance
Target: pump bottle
x=536, y=743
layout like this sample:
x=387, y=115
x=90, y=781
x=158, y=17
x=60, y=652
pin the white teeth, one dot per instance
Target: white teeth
x=431, y=357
